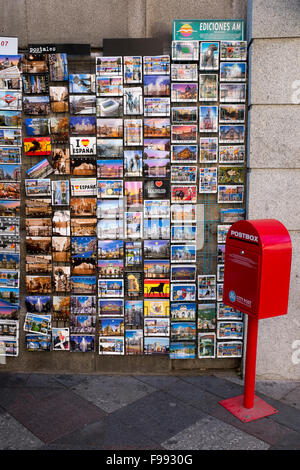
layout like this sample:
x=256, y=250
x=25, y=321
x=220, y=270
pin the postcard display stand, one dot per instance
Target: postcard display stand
x=134, y=171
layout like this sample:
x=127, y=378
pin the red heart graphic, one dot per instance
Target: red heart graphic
x=159, y=183
x=85, y=142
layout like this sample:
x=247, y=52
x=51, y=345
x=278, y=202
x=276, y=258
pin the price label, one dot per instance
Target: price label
x=8, y=46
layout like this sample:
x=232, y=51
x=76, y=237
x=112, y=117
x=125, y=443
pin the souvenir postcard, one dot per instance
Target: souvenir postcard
x=233, y=71
x=37, y=146
x=58, y=67
x=37, y=187
x=181, y=331
x=10, y=226
x=226, y=312
x=184, y=194
x=156, y=189
x=184, y=92
x=156, y=269
x=233, y=134
x=232, y=113
x=133, y=284
x=132, y=69
x=152, y=153
x=40, y=324
x=108, y=107
x=230, y=330
x=83, y=227
x=208, y=180
x=10, y=118
x=83, y=206
x=111, y=307
x=231, y=175
x=83, y=186
x=60, y=339
x=233, y=50
x=156, y=229
x=133, y=163
x=37, y=126
x=9, y=311
x=9, y=244
x=59, y=129
x=82, y=343
x=10, y=261
x=229, y=349
x=157, y=208
x=9, y=208
x=107, y=209
x=222, y=231
x=10, y=64
x=209, y=55
x=183, y=292
x=133, y=253
x=156, y=65
x=156, y=168
x=208, y=118
x=10, y=81
x=61, y=308
x=9, y=346
x=206, y=316
x=81, y=104
x=156, y=85
x=60, y=193
x=83, y=166
x=207, y=287
x=10, y=100
x=38, y=264
x=84, y=247
x=82, y=83
x=110, y=288
x=59, y=99
x=83, y=284
x=36, y=105
x=35, y=84
x=80, y=324
x=109, y=86
x=133, y=132
x=112, y=148
x=85, y=305
x=39, y=170
x=161, y=144
x=9, y=278
x=133, y=225
x=156, y=346
x=232, y=154
x=83, y=146
x=232, y=92
x=10, y=155
x=10, y=172
x=156, y=308
x=230, y=194
x=208, y=149
x=134, y=342
x=157, y=288
x=34, y=63
x=183, y=233
x=110, y=128
x=11, y=137
x=110, y=229
x=38, y=304
x=183, y=311
x=208, y=87
x=41, y=245
x=157, y=327
x=61, y=249
x=183, y=174
x=109, y=66
x=182, y=350
x=82, y=125
x=156, y=249
x=110, y=268
x=38, y=207
x=206, y=345
x=133, y=191
x=134, y=314
x=38, y=342
x=133, y=100
x=231, y=215
x=184, y=72
x=220, y=272
x=111, y=345
x=38, y=227
x=185, y=50
x=183, y=273
x=9, y=328
x=109, y=188
x=110, y=168
x=184, y=114
x=183, y=253
x=184, y=133
x=184, y=154
x=156, y=107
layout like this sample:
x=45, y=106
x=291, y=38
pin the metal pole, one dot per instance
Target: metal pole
x=249, y=387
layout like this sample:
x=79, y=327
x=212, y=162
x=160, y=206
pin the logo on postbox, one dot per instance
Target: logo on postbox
x=232, y=296
x=244, y=236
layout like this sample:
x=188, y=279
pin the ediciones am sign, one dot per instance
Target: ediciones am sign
x=208, y=30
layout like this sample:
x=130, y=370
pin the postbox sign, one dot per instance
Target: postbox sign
x=257, y=267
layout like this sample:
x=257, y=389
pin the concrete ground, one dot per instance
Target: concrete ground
x=118, y=412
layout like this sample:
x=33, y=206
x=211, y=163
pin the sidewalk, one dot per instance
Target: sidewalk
x=84, y=412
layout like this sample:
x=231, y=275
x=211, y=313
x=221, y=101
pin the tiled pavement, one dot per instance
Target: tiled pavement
x=114, y=412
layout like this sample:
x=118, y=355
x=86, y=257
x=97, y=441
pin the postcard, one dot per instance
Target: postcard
x=132, y=69
x=156, y=85
x=82, y=343
x=183, y=311
x=61, y=248
x=10, y=226
x=83, y=227
x=133, y=284
x=232, y=92
x=231, y=215
x=184, y=114
x=83, y=166
x=38, y=342
x=156, y=326
x=82, y=125
x=182, y=350
x=82, y=104
x=60, y=129
x=111, y=148
x=110, y=268
x=208, y=149
x=208, y=87
x=38, y=304
x=231, y=113
x=39, y=170
x=133, y=225
x=134, y=318
x=184, y=133
x=38, y=264
x=156, y=346
x=156, y=249
x=159, y=208
x=9, y=328
x=84, y=247
x=11, y=137
x=85, y=305
x=34, y=63
x=231, y=134
x=109, y=86
x=183, y=233
x=60, y=339
x=37, y=187
x=10, y=190
x=183, y=174
x=11, y=64
x=151, y=153
x=108, y=107
x=208, y=118
x=9, y=346
x=83, y=146
x=184, y=194
x=184, y=72
x=183, y=273
x=83, y=186
x=82, y=83
x=156, y=269
x=10, y=100
x=220, y=292
x=133, y=191
x=80, y=324
x=110, y=229
x=209, y=55
x=110, y=208
x=206, y=316
x=156, y=308
x=35, y=84
x=109, y=66
x=9, y=208
x=230, y=330
x=10, y=118
x=134, y=342
x=111, y=345
x=229, y=349
x=226, y=312
x=10, y=155
x=157, y=65
x=37, y=146
x=222, y=231
x=58, y=67
x=61, y=223
x=10, y=261
x=40, y=324
x=83, y=206
x=184, y=92
x=9, y=310
x=9, y=278
x=60, y=193
x=231, y=175
x=184, y=154
x=61, y=308
x=133, y=100
x=10, y=81
x=110, y=288
x=40, y=245
x=233, y=50
x=156, y=189
x=38, y=227
x=59, y=99
x=110, y=128
x=133, y=132
x=133, y=253
x=111, y=307
x=183, y=331
x=185, y=50
x=10, y=244
x=157, y=288
x=162, y=144
x=207, y=287
x=156, y=229
x=208, y=180
x=232, y=154
x=206, y=345
x=183, y=253
x=230, y=194
x=156, y=107
x=109, y=188
x=83, y=284
x=36, y=105
x=233, y=71
x=133, y=163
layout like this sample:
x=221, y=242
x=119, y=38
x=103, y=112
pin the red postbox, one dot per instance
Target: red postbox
x=257, y=268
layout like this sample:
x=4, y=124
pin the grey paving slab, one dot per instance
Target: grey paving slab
x=291, y=441
x=215, y=385
x=14, y=436
x=288, y=416
x=11, y=379
x=112, y=392
x=276, y=389
x=293, y=398
x=212, y=434
x=70, y=380
x=43, y=380
x=16, y=397
x=160, y=382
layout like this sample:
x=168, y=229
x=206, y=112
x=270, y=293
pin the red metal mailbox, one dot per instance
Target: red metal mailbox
x=257, y=267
